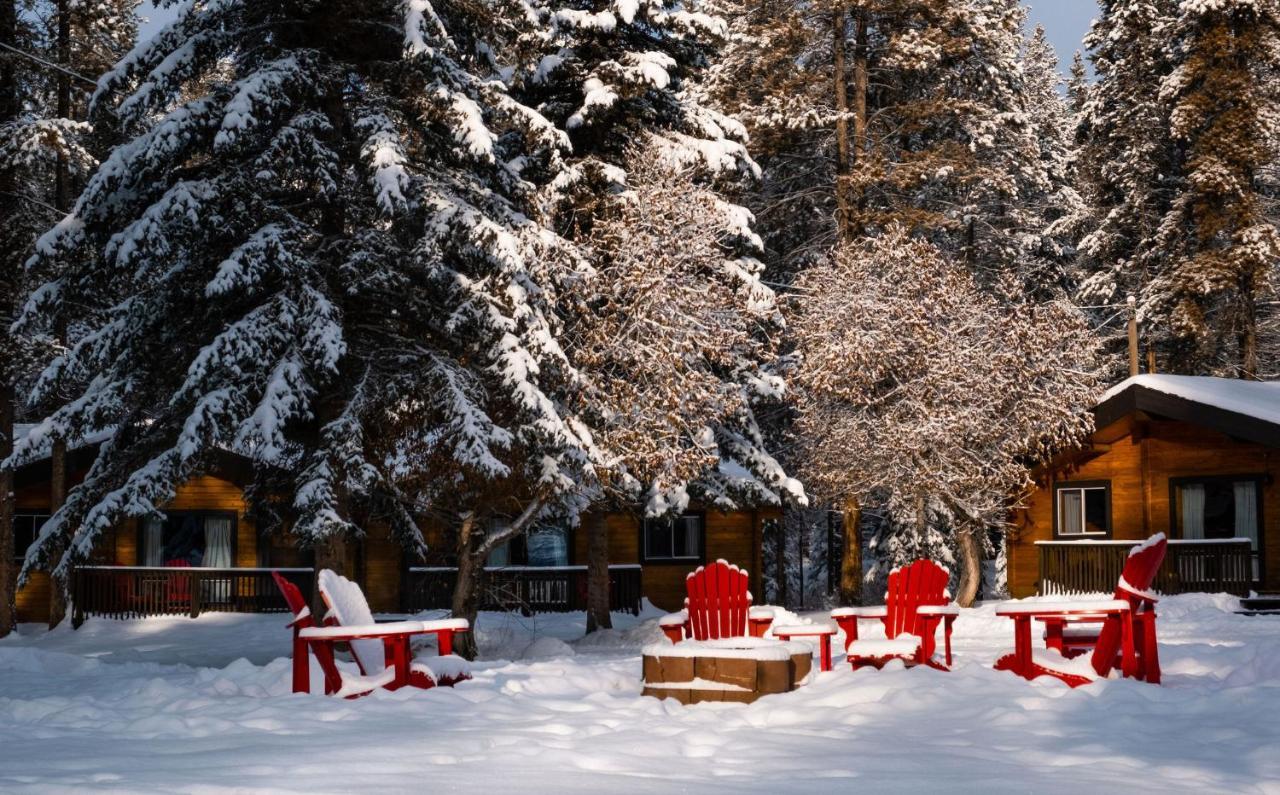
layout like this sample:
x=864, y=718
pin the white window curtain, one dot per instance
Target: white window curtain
x=1247, y=516
x=500, y=556
x=153, y=541
x=217, y=555
x=1071, y=516
x=548, y=546
x=1193, y=510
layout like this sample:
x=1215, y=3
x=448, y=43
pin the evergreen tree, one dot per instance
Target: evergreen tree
x=316, y=248
x=1218, y=240
x=1127, y=164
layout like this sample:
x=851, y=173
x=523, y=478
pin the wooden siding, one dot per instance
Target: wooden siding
x=120, y=546
x=1142, y=457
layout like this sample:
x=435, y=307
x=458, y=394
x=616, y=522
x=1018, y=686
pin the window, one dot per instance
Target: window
x=1219, y=507
x=26, y=526
x=188, y=539
x=1082, y=509
x=545, y=545
x=674, y=539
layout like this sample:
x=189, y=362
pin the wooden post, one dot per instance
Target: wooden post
x=1151, y=359
x=851, y=560
x=1132, y=304
x=197, y=588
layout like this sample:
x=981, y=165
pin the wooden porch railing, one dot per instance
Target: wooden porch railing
x=528, y=589
x=139, y=591
x=1212, y=566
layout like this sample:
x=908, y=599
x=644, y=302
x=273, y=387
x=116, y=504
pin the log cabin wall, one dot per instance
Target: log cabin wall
x=120, y=545
x=1140, y=459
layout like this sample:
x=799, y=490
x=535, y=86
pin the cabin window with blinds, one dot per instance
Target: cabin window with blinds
x=1218, y=508
x=189, y=539
x=26, y=526
x=1082, y=510
x=678, y=539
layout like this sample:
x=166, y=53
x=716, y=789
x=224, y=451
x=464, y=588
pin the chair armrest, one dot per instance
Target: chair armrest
x=760, y=613
x=674, y=619
x=878, y=611
x=938, y=610
x=362, y=631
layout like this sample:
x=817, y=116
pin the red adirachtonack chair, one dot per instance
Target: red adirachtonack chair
x=915, y=604
x=1120, y=632
x=718, y=605
x=380, y=650
x=178, y=590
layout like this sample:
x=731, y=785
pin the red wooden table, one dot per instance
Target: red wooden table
x=1109, y=610
x=822, y=632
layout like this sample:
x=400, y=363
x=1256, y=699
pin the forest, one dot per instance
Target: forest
x=495, y=265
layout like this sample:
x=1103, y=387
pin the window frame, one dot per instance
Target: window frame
x=202, y=513
x=1260, y=482
x=1081, y=485
x=699, y=559
x=19, y=557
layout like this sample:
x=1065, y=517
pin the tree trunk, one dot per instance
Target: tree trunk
x=1248, y=336
x=8, y=567
x=466, y=592
x=970, y=566
x=57, y=496
x=598, y=573
x=851, y=560
x=780, y=563
x=839, y=26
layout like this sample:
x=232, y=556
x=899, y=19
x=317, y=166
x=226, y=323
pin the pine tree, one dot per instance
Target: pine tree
x=317, y=249
x=1127, y=164
x=627, y=74
x=1218, y=239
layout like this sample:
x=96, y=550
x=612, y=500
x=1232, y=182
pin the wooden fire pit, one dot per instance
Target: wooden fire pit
x=733, y=669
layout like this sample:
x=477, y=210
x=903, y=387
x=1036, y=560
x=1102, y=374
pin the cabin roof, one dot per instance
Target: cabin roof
x=1248, y=410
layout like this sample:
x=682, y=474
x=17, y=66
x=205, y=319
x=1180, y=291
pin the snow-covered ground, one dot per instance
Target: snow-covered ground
x=204, y=705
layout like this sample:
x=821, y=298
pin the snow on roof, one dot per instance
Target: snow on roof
x=1259, y=399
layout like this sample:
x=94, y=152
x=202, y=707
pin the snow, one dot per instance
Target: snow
x=1073, y=606
x=167, y=704
x=877, y=647
x=1259, y=399
x=877, y=611
x=728, y=649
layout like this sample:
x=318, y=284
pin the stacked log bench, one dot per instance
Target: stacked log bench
x=738, y=670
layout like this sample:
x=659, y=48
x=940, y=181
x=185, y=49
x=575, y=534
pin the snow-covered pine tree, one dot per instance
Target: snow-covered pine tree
x=612, y=76
x=317, y=249
x=1053, y=210
x=922, y=394
x=1218, y=241
x=1127, y=162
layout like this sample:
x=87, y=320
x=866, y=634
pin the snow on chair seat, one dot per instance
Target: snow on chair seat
x=901, y=646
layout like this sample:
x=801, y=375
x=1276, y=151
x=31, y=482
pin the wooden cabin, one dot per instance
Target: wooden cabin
x=1193, y=457
x=207, y=554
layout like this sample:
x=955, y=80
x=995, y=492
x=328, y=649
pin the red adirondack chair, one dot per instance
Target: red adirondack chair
x=718, y=605
x=916, y=602
x=178, y=591
x=1120, y=632
x=381, y=651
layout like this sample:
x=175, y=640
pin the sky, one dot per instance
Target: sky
x=1066, y=22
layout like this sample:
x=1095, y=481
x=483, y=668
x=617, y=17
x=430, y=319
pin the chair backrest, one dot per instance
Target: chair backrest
x=179, y=587
x=1136, y=579
x=303, y=619
x=911, y=587
x=292, y=597
x=718, y=601
x=347, y=604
